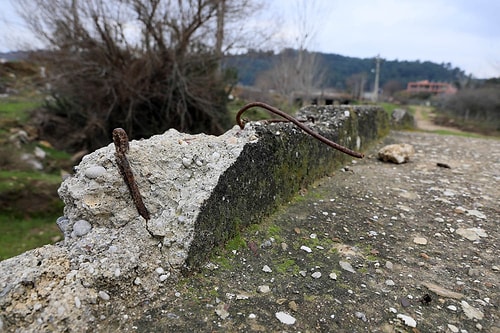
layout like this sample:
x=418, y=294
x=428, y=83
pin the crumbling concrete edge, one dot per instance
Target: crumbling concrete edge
x=66, y=287
x=272, y=170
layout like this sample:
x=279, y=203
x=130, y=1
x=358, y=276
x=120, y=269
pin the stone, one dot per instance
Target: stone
x=476, y=213
x=361, y=315
x=407, y=320
x=316, y=275
x=39, y=153
x=306, y=248
x=267, y=269
x=221, y=311
x=94, y=171
x=402, y=119
x=420, y=240
x=453, y=328
x=81, y=228
x=285, y=318
x=442, y=291
x=470, y=311
x=264, y=289
x=104, y=295
x=347, y=266
x=396, y=153
x=472, y=234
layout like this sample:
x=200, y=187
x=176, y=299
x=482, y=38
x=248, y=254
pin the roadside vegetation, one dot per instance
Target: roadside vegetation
x=30, y=170
x=475, y=109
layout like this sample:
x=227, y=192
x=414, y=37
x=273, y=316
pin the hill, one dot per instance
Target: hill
x=339, y=68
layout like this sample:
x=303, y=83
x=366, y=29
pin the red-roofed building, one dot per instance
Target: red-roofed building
x=431, y=87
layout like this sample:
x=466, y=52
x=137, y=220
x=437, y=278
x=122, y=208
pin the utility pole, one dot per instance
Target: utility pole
x=377, y=75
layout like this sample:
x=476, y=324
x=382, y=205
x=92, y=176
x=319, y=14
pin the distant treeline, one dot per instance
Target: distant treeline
x=338, y=69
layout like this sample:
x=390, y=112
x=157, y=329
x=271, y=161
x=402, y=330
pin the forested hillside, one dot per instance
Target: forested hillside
x=338, y=69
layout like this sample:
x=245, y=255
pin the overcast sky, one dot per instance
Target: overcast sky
x=465, y=33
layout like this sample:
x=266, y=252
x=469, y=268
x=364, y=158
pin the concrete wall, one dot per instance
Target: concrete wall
x=199, y=191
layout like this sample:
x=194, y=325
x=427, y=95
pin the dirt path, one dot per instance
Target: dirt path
x=423, y=118
x=376, y=247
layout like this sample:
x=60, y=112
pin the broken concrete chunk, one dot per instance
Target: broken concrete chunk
x=396, y=153
x=198, y=189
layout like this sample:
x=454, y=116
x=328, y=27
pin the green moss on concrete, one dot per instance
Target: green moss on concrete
x=271, y=171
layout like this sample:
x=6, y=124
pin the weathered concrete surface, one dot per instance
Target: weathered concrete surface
x=199, y=191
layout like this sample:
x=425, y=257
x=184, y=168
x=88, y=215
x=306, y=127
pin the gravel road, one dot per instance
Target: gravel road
x=375, y=247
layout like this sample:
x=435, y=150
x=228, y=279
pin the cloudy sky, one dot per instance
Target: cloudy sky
x=465, y=33
x=462, y=32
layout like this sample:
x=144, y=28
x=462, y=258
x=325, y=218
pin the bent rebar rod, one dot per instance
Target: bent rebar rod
x=303, y=127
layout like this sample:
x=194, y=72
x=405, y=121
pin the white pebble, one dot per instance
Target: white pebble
x=137, y=281
x=389, y=283
x=252, y=316
x=453, y=328
x=215, y=156
x=78, y=303
x=263, y=289
x=306, y=248
x=316, y=275
x=163, y=277
x=420, y=240
x=452, y=307
x=94, y=171
x=103, y=295
x=333, y=276
x=187, y=162
x=285, y=318
x=159, y=270
x=346, y=266
x=81, y=228
x=267, y=269
x=471, y=312
x=408, y=321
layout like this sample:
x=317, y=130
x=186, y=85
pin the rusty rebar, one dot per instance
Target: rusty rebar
x=120, y=140
x=303, y=127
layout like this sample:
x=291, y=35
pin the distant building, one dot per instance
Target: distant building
x=321, y=97
x=430, y=87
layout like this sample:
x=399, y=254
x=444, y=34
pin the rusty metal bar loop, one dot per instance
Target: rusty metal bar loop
x=303, y=127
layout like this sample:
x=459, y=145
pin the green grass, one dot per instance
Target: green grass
x=28, y=212
x=18, y=110
x=287, y=266
x=18, y=180
x=18, y=235
x=463, y=134
x=389, y=107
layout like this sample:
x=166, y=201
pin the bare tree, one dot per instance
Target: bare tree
x=391, y=87
x=356, y=85
x=298, y=70
x=144, y=65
